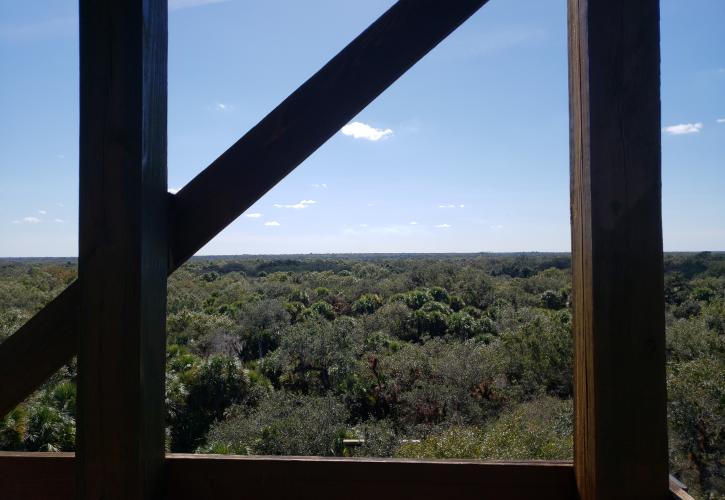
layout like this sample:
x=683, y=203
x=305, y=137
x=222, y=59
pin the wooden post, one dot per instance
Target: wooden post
x=123, y=248
x=620, y=395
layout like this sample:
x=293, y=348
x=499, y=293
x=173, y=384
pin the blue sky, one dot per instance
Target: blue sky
x=467, y=152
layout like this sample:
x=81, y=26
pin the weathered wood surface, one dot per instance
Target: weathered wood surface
x=37, y=476
x=39, y=348
x=260, y=159
x=122, y=263
x=30, y=476
x=194, y=477
x=620, y=412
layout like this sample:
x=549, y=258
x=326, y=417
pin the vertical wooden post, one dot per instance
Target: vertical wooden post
x=620, y=431
x=123, y=248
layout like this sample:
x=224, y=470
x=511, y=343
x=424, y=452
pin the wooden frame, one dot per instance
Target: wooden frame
x=620, y=429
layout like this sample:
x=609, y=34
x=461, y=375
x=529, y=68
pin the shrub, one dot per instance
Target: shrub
x=283, y=424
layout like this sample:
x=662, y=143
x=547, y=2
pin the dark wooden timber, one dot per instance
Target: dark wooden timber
x=260, y=159
x=620, y=412
x=36, y=351
x=122, y=262
x=309, y=117
x=194, y=477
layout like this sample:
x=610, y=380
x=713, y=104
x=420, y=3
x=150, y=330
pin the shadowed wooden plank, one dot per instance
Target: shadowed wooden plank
x=123, y=248
x=620, y=402
x=195, y=477
x=39, y=348
x=252, y=166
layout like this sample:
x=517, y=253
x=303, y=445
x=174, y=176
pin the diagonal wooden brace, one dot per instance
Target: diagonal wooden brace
x=251, y=167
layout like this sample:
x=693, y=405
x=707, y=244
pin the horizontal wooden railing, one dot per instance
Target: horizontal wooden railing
x=194, y=477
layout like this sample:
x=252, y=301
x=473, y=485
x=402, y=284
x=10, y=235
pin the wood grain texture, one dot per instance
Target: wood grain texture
x=123, y=248
x=260, y=159
x=196, y=477
x=620, y=399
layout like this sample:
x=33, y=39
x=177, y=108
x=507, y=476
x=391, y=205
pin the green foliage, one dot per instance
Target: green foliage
x=456, y=356
x=541, y=428
x=283, y=424
x=198, y=396
x=367, y=303
x=323, y=309
x=696, y=393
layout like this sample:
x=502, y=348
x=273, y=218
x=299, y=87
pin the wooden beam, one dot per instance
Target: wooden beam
x=41, y=346
x=620, y=400
x=260, y=159
x=123, y=247
x=309, y=117
x=190, y=477
x=193, y=477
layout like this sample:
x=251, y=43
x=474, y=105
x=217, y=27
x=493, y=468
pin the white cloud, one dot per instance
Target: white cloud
x=220, y=106
x=31, y=220
x=188, y=4
x=443, y=226
x=318, y=186
x=272, y=223
x=42, y=212
x=413, y=223
x=16, y=221
x=60, y=205
x=684, y=128
x=721, y=120
x=60, y=221
x=297, y=206
x=60, y=156
x=363, y=225
x=451, y=205
x=497, y=227
x=255, y=215
x=359, y=130
x=174, y=190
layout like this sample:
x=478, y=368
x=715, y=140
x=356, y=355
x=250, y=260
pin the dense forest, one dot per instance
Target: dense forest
x=447, y=356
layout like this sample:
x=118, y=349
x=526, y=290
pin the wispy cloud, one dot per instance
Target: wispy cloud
x=443, y=226
x=413, y=223
x=42, y=212
x=61, y=205
x=60, y=156
x=683, y=128
x=497, y=227
x=220, y=106
x=31, y=220
x=451, y=205
x=188, y=4
x=319, y=186
x=255, y=215
x=359, y=130
x=16, y=221
x=272, y=223
x=720, y=120
x=297, y=206
x=174, y=190
x=59, y=221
